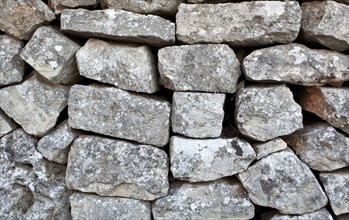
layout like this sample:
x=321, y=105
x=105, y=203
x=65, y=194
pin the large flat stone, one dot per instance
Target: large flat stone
x=6, y=124
x=59, y=5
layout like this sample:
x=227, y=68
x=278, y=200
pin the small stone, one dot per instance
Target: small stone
x=117, y=168
x=34, y=104
x=267, y=148
x=119, y=25
x=59, y=5
x=52, y=55
x=118, y=113
x=296, y=64
x=206, y=68
x=221, y=199
x=245, y=24
x=322, y=214
x=6, y=124
x=11, y=65
x=132, y=68
x=266, y=112
x=323, y=22
x=283, y=182
x=197, y=160
x=21, y=18
x=206, y=1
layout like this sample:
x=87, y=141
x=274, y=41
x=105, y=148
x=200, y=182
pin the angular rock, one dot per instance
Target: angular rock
x=283, y=182
x=119, y=25
x=296, y=64
x=207, y=68
x=87, y=206
x=221, y=199
x=132, y=67
x=324, y=22
x=266, y=112
x=117, y=168
x=121, y=114
x=322, y=214
x=6, y=124
x=256, y=23
x=267, y=148
x=52, y=55
x=21, y=18
x=34, y=104
x=197, y=160
x=11, y=65
x=206, y=1
x=59, y=5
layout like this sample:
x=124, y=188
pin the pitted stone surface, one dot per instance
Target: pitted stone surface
x=272, y=146
x=59, y=5
x=6, y=124
x=322, y=214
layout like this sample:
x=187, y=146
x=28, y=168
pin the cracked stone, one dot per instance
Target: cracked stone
x=269, y=147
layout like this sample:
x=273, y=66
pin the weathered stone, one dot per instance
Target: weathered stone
x=296, y=64
x=34, y=104
x=198, y=160
x=59, y=5
x=119, y=25
x=87, y=206
x=11, y=65
x=336, y=184
x=117, y=168
x=6, y=124
x=242, y=24
x=206, y=1
x=198, y=115
x=21, y=18
x=207, y=68
x=265, y=112
x=52, y=55
x=324, y=22
x=56, y=145
x=132, y=67
x=283, y=182
x=221, y=199
x=118, y=113
x=322, y=214
x=267, y=148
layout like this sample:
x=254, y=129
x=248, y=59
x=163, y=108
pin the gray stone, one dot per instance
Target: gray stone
x=119, y=25
x=221, y=199
x=52, y=55
x=196, y=160
x=324, y=22
x=21, y=18
x=6, y=124
x=296, y=64
x=267, y=148
x=266, y=112
x=121, y=114
x=207, y=1
x=11, y=65
x=117, y=168
x=59, y=5
x=34, y=104
x=256, y=23
x=283, y=182
x=132, y=68
x=321, y=214
x=87, y=206
x=207, y=68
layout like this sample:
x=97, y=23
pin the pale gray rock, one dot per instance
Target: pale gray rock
x=6, y=124
x=117, y=168
x=196, y=160
x=207, y=1
x=132, y=67
x=87, y=206
x=119, y=25
x=197, y=115
x=59, y=5
x=221, y=199
x=297, y=64
x=267, y=148
x=11, y=65
x=322, y=214
x=34, y=104
x=118, y=113
x=266, y=112
x=207, y=68
x=52, y=55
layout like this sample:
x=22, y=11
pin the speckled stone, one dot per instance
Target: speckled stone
x=322, y=214
x=269, y=147
x=59, y=5
x=6, y=124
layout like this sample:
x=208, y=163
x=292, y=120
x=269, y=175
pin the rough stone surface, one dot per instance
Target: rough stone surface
x=297, y=64
x=11, y=65
x=322, y=214
x=52, y=55
x=119, y=25
x=59, y=5
x=21, y=18
x=132, y=67
x=117, y=168
x=207, y=1
x=197, y=160
x=283, y=182
x=265, y=112
x=198, y=115
x=34, y=104
x=221, y=199
x=325, y=22
x=207, y=68
x=242, y=24
x=6, y=124
x=267, y=148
